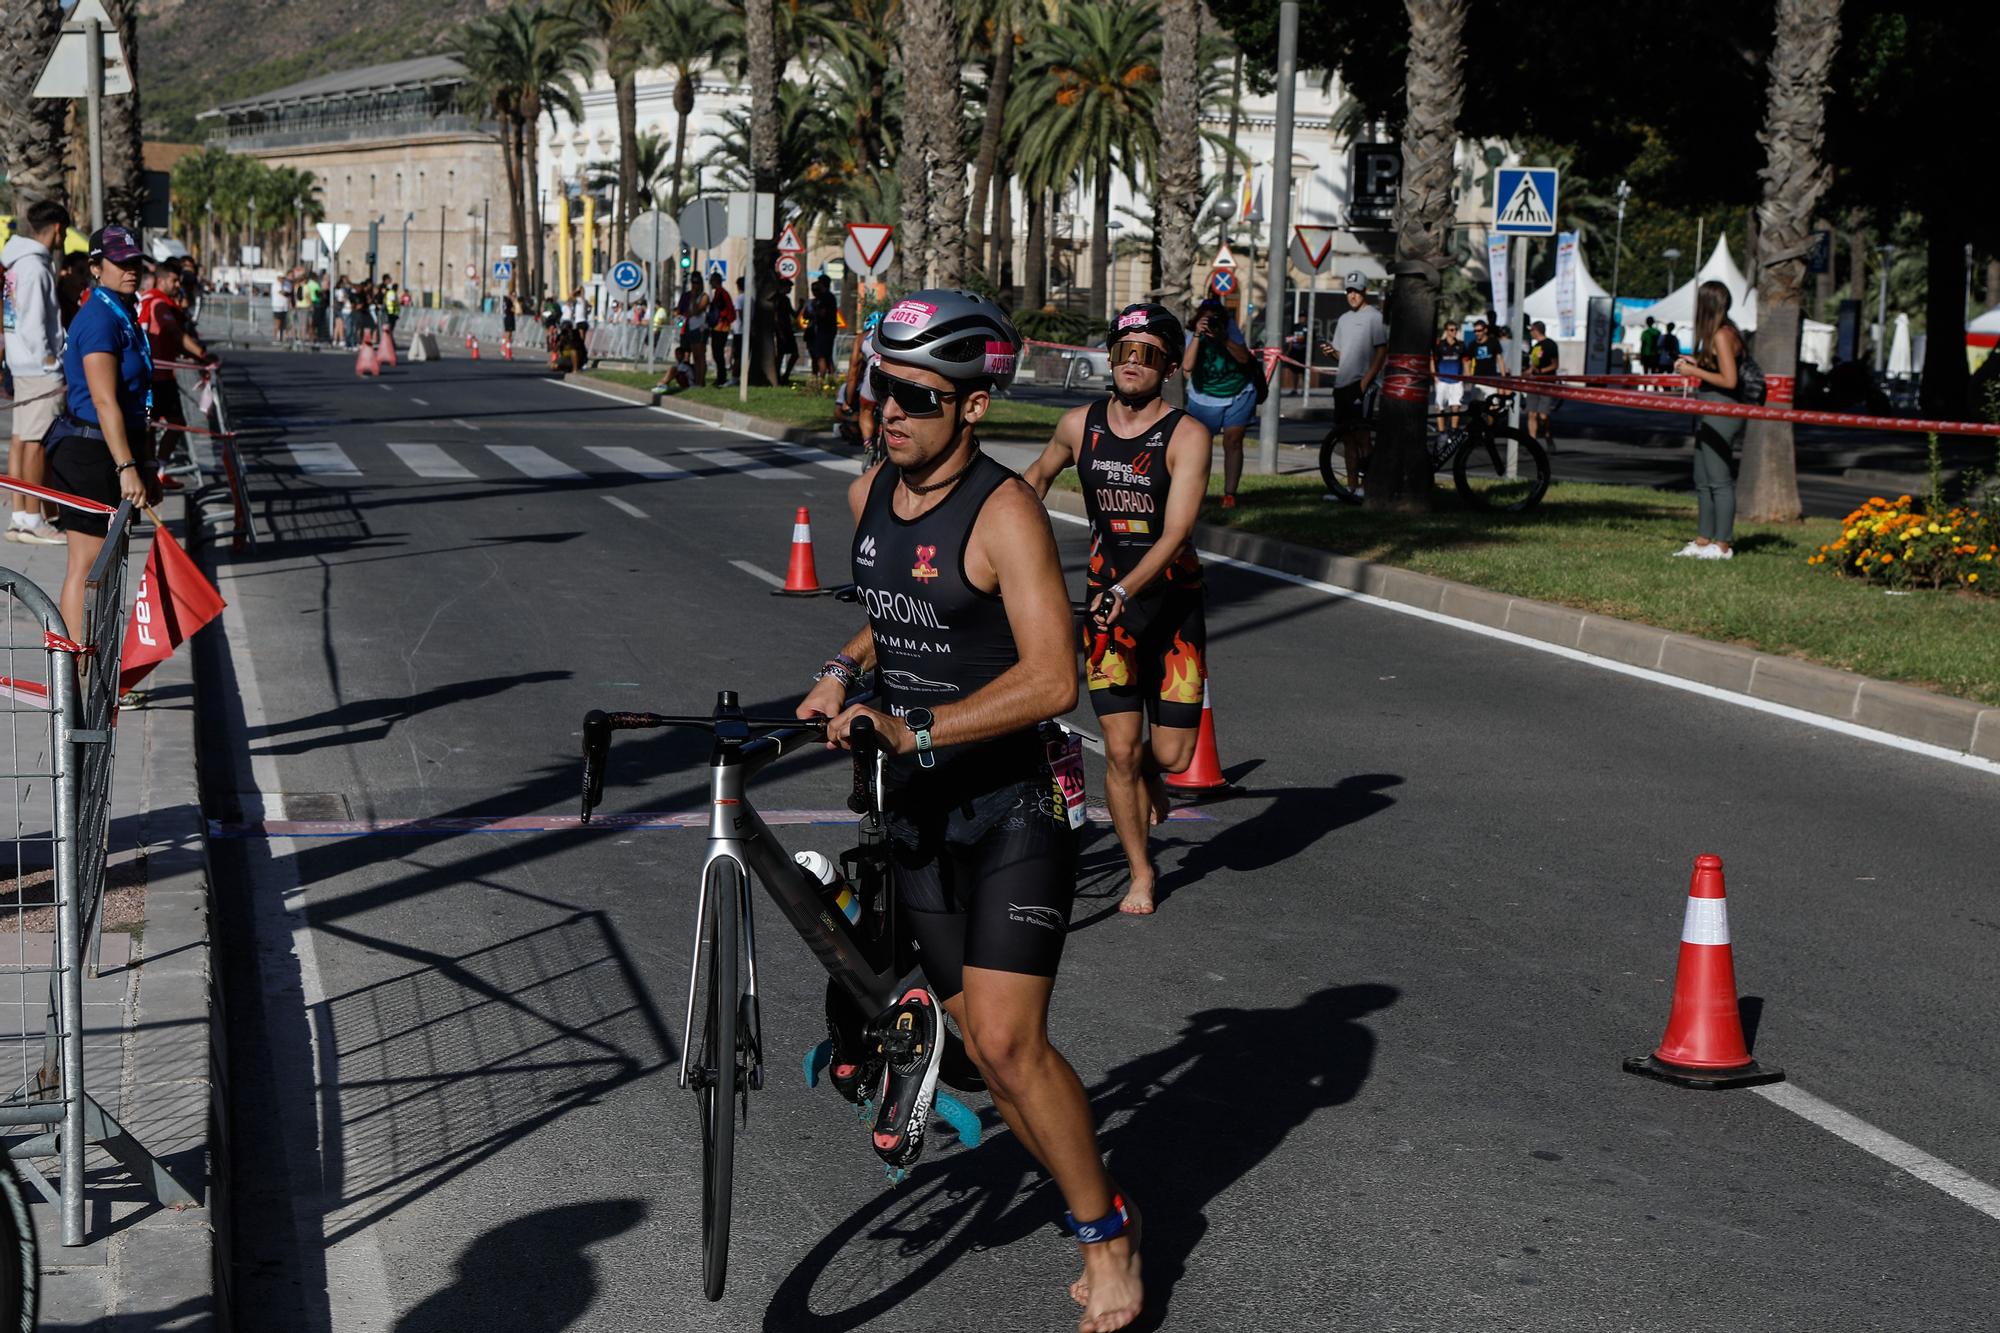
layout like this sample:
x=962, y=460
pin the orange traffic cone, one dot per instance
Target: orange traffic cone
x=468, y=340
x=800, y=575
x=1704, y=1046
x=386, y=353
x=364, y=361
x=475, y=349
x=1204, y=774
x=507, y=347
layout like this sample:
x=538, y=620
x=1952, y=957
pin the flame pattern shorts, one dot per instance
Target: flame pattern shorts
x=1156, y=658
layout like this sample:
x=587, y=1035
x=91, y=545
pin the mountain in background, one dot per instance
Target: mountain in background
x=196, y=54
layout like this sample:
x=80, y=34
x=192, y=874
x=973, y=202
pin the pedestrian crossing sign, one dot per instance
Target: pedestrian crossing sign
x=1525, y=201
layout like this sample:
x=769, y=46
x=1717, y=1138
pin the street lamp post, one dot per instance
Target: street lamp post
x=1670, y=256
x=1887, y=252
x=485, y=229
x=1617, y=252
x=443, y=272
x=403, y=273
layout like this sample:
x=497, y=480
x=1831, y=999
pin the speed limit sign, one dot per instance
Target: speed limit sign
x=788, y=267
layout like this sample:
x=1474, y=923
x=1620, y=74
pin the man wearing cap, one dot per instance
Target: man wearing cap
x=1144, y=467
x=1359, y=348
x=34, y=343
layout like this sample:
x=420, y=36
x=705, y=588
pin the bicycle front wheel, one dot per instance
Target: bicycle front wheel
x=1480, y=470
x=20, y=1266
x=1332, y=468
x=715, y=1077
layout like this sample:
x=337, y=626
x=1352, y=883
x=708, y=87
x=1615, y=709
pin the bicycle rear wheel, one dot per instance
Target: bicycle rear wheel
x=1480, y=470
x=715, y=1076
x=1332, y=468
x=20, y=1265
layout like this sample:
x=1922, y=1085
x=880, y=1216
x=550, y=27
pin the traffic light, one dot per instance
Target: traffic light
x=687, y=256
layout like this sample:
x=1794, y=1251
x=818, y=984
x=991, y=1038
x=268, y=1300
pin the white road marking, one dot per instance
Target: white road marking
x=807, y=454
x=755, y=572
x=623, y=507
x=703, y=422
x=633, y=460
x=429, y=460
x=418, y=401
x=1968, y=1190
x=735, y=462
x=1823, y=723
x=461, y=421
x=357, y=1280
x=322, y=458
x=526, y=458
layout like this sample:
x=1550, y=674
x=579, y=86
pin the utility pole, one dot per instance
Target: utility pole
x=93, y=36
x=1281, y=220
x=442, y=275
x=403, y=274
x=485, y=226
x=1617, y=253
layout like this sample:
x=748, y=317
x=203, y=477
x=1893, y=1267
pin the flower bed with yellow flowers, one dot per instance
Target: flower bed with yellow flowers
x=1899, y=545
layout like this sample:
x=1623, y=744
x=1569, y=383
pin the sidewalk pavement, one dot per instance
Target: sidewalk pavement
x=151, y=1024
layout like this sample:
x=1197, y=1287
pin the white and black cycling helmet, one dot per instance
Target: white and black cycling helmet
x=957, y=334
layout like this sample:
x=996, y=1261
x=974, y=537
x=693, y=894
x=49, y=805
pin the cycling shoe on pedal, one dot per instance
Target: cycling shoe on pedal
x=910, y=1040
x=852, y=1063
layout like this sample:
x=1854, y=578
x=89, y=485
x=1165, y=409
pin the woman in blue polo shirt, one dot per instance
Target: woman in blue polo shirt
x=100, y=448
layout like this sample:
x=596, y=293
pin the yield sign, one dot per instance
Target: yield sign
x=1316, y=243
x=788, y=241
x=334, y=234
x=1223, y=259
x=870, y=238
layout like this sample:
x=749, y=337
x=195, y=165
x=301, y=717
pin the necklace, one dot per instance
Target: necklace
x=931, y=486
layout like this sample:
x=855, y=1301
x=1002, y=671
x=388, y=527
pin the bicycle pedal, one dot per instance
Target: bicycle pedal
x=816, y=1061
x=896, y=1174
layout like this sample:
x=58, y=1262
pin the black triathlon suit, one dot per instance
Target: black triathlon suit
x=1155, y=656
x=982, y=849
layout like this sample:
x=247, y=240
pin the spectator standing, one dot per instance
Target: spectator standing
x=1669, y=349
x=1221, y=392
x=784, y=331
x=392, y=305
x=1649, y=345
x=281, y=306
x=1544, y=360
x=34, y=351
x=99, y=447
x=579, y=311
x=1484, y=353
x=507, y=320
x=1359, y=348
x=721, y=323
x=692, y=308
x=164, y=319
x=1718, y=356
x=1447, y=364
x=822, y=324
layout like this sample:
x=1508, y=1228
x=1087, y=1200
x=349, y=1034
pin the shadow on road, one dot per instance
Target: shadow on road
x=372, y=719
x=489, y=1291
x=1177, y=1137
x=1294, y=819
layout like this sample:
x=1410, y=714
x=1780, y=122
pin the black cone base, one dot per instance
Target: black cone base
x=1704, y=1080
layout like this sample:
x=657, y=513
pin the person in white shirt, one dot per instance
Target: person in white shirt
x=281, y=305
x=34, y=347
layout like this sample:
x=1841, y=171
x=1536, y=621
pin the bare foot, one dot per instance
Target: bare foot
x=1113, y=1293
x=1079, y=1290
x=1159, y=802
x=1138, y=900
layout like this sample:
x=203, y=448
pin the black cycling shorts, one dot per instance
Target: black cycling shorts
x=986, y=884
x=1156, y=659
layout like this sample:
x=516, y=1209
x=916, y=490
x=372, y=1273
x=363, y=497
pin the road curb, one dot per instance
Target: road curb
x=1900, y=710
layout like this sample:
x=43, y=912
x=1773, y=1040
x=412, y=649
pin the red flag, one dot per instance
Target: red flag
x=174, y=601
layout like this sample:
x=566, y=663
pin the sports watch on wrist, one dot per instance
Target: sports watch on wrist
x=920, y=721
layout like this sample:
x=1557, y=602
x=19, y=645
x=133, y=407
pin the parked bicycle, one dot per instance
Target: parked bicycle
x=855, y=938
x=1476, y=453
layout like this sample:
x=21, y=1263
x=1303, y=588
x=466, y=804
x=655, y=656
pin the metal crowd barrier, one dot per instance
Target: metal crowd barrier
x=60, y=702
x=204, y=401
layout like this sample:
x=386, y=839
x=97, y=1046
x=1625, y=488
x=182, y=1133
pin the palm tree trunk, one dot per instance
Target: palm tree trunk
x=1795, y=177
x=510, y=153
x=124, y=151
x=1400, y=475
x=531, y=151
x=31, y=128
x=625, y=89
x=929, y=57
x=1823, y=282
x=1947, y=383
x=1001, y=266
x=1177, y=196
x=1100, y=239
x=1034, y=283
x=999, y=75
x=760, y=35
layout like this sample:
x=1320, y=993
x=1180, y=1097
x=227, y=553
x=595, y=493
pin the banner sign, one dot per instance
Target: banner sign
x=1566, y=285
x=1496, y=264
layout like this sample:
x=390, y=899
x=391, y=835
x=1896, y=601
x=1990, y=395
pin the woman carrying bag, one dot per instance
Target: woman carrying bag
x=1721, y=362
x=100, y=448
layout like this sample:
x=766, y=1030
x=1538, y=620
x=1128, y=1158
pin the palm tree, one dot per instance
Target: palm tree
x=809, y=183
x=652, y=158
x=1179, y=195
x=490, y=90
x=31, y=128
x=932, y=160
x=1434, y=74
x=997, y=27
x=621, y=25
x=1090, y=104
x=766, y=69
x=1795, y=178
x=684, y=35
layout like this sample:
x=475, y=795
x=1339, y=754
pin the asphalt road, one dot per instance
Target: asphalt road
x=1362, y=1070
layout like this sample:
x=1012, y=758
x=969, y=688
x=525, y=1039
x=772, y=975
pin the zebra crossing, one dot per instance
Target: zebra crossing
x=775, y=461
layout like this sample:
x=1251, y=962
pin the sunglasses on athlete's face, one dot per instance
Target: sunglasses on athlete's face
x=1126, y=351
x=916, y=400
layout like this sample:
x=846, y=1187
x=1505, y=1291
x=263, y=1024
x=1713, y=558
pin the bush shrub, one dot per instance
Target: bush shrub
x=1899, y=545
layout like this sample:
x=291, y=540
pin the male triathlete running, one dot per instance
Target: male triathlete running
x=969, y=625
x=1145, y=468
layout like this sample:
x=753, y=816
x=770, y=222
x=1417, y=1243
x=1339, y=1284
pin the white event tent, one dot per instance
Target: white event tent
x=1541, y=303
x=1677, y=307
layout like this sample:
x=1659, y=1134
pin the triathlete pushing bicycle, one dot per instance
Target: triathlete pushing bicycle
x=969, y=626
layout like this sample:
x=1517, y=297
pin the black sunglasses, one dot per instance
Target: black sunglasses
x=916, y=400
